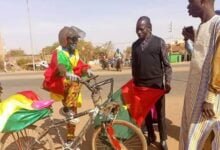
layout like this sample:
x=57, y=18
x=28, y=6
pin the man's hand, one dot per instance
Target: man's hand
x=90, y=72
x=208, y=110
x=167, y=88
x=61, y=70
x=72, y=77
x=188, y=34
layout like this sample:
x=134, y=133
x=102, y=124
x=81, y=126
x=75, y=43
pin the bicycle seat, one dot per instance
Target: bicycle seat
x=41, y=104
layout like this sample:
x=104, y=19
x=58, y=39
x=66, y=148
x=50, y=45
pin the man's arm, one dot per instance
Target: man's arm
x=189, y=46
x=214, y=84
x=215, y=78
x=166, y=65
x=133, y=59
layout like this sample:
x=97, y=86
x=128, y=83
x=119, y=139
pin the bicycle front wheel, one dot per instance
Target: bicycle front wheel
x=26, y=139
x=129, y=136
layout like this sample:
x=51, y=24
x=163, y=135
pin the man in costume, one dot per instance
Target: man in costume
x=201, y=111
x=64, y=71
x=149, y=67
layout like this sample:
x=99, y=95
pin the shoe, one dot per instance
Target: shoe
x=163, y=145
x=151, y=139
x=66, y=111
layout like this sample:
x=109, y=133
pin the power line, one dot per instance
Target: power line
x=30, y=33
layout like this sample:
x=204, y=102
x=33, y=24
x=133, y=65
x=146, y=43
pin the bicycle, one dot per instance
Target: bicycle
x=104, y=136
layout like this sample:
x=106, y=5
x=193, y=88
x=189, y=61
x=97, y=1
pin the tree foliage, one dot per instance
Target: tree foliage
x=86, y=49
x=49, y=49
x=21, y=62
x=128, y=52
x=16, y=52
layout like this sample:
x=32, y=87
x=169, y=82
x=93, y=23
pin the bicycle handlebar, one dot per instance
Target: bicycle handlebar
x=96, y=86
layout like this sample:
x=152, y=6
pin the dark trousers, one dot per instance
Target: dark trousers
x=160, y=108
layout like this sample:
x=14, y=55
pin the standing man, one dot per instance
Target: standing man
x=149, y=68
x=201, y=111
x=65, y=69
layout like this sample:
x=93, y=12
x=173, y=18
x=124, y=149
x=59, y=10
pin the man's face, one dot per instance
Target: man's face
x=195, y=8
x=142, y=29
x=72, y=43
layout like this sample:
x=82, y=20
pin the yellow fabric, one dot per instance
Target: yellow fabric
x=58, y=97
x=74, y=97
x=74, y=61
x=211, y=97
x=12, y=105
x=215, y=78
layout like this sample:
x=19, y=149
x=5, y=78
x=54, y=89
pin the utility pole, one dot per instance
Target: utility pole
x=30, y=32
x=171, y=36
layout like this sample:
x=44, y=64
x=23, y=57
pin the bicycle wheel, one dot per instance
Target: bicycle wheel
x=129, y=136
x=26, y=140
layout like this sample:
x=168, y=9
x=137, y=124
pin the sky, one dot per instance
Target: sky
x=102, y=20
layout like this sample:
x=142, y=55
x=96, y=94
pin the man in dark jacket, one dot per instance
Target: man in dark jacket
x=150, y=67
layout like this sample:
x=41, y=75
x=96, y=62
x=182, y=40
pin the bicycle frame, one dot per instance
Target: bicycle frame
x=91, y=112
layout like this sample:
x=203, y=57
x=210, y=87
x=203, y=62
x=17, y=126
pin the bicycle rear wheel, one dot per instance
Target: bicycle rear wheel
x=26, y=140
x=134, y=141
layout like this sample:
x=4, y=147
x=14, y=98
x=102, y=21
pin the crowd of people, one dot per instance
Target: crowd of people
x=151, y=68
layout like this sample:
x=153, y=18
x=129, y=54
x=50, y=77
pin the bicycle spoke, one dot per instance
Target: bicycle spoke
x=26, y=140
x=128, y=136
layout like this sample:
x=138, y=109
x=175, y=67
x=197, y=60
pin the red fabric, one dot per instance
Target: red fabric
x=154, y=113
x=140, y=100
x=81, y=68
x=111, y=135
x=52, y=82
x=30, y=94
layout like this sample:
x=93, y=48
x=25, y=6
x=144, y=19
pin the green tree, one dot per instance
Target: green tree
x=86, y=50
x=49, y=49
x=16, y=52
x=108, y=48
x=127, y=52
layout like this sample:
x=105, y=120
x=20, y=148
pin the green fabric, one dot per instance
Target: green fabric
x=23, y=118
x=63, y=59
x=120, y=131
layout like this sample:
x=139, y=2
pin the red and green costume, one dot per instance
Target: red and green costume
x=55, y=83
x=60, y=87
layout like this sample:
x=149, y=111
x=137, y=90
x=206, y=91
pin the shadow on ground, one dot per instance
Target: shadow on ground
x=172, y=131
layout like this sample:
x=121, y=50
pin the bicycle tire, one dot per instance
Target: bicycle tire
x=26, y=137
x=135, y=142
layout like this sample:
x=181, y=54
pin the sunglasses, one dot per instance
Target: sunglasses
x=74, y=38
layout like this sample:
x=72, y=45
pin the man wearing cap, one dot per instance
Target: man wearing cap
x=63, y=72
